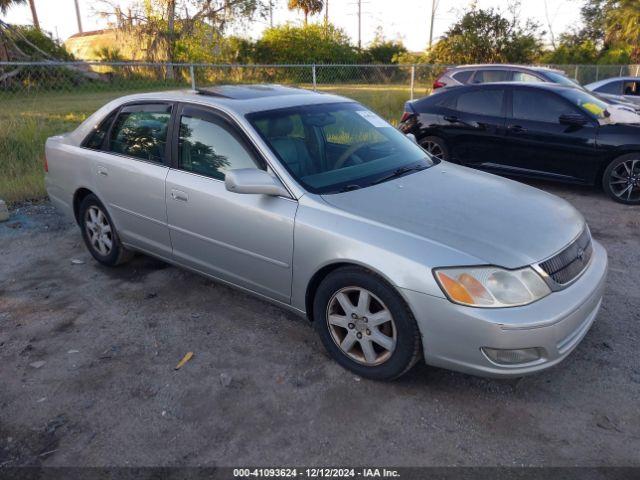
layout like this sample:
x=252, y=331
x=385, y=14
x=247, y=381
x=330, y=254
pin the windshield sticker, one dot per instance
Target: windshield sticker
x=372, y=118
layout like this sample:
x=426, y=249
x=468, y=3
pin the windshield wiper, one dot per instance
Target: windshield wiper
x=400, y=172
x=348, y=188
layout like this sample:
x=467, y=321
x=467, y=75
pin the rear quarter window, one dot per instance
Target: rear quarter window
x=95, y=139
x=464, y=76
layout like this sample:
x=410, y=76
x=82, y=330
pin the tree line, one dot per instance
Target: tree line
x=607, y=32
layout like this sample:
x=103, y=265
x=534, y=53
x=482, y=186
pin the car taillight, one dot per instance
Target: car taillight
x=438, y=84
x=405, y=116
x=46, y=164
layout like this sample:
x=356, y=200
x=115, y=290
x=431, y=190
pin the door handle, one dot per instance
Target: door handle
x=179, y=195
x=103, y=172
x=516, y=129
x=450, y=118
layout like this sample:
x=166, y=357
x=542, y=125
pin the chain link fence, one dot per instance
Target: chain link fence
x=41, y=99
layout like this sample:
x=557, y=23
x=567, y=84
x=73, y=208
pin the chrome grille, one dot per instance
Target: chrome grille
x=570, y=262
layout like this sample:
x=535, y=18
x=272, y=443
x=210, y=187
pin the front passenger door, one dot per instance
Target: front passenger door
x=537, y=144
x=246, y=240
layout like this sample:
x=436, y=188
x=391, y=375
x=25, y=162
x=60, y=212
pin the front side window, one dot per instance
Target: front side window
x=335, y=147
x=613, y=88
x=482, y=102
x=631, y=88
x=490, y=76
x=140, y=131
x=207, y=147
x=538, y=106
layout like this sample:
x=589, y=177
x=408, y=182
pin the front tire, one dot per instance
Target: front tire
x=99, y=233
x=621, y=179
x=365, y=325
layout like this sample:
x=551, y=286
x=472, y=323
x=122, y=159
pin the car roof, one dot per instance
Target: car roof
x=502, y=66
x=612, y=79
x=242, y=99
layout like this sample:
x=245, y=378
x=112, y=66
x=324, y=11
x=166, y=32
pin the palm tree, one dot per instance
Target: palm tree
x=34, y=14
x=623, y=24
x=6, y=4
x=307, y=6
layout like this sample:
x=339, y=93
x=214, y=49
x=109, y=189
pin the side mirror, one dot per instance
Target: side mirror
x=254, y=181
x=573, y=119
x=412, y=137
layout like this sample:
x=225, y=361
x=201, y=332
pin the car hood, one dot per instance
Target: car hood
x=498, y=221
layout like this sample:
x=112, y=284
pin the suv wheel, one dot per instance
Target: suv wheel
x=365, y=325
x=99, y=233
x=436, y=147
x=621, y=179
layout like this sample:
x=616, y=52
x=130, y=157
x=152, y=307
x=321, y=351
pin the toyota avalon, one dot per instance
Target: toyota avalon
x=315, y=203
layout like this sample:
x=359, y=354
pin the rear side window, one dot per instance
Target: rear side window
x=490, y=76
x=463, y=76
x=539, y=106
x=483, y=102
x=95, y=140
x=525, y=77
x=140, y=131
x=614, y=88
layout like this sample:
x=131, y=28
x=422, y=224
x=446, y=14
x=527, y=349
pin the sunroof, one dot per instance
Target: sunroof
x=247, y=92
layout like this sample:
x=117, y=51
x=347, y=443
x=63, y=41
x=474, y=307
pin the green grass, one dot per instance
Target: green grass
x=27, y=121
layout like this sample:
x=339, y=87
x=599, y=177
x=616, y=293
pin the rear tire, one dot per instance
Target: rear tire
x=621, y=179
x=437, y=147
x=99, y=233
x=365, y=325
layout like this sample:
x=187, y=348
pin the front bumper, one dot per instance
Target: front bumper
x=453, y=335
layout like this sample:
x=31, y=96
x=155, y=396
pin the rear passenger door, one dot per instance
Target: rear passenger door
x=246, y=240
x=473, y=124
x=130, y=168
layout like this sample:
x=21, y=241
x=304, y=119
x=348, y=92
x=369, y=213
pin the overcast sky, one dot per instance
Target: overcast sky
x=405, y=19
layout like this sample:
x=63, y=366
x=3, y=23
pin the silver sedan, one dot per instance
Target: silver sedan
x=315, y=203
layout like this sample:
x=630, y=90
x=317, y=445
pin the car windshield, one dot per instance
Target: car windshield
x=561, y=79
x=587, y=103
x=329, y=148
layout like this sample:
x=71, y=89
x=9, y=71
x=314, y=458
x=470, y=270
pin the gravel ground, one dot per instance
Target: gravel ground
x=87, y=357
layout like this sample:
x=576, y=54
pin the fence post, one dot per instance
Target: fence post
x=413, y=79
x=313, y=74
x=621, y=67
x=193, y=77
x=576, y=75
x=597, y=72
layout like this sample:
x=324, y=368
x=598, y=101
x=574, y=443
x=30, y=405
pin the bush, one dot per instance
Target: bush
x=289, y=44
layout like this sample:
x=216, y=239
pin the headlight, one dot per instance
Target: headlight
x=491, y=287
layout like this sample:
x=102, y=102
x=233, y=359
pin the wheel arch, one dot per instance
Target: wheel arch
x=79, y=195
x=324, y=271
x=611, y=158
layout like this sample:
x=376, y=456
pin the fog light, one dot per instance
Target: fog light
x=513, y=357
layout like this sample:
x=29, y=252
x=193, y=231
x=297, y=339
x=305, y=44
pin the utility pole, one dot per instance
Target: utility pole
x=434, y=7
x=271, y=13
x=78, y=17
x=359, y=24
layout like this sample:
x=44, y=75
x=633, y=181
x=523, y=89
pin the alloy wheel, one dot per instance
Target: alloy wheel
x=99, y=231
x=361, y=325
x=624, y=180
x=434, y=149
